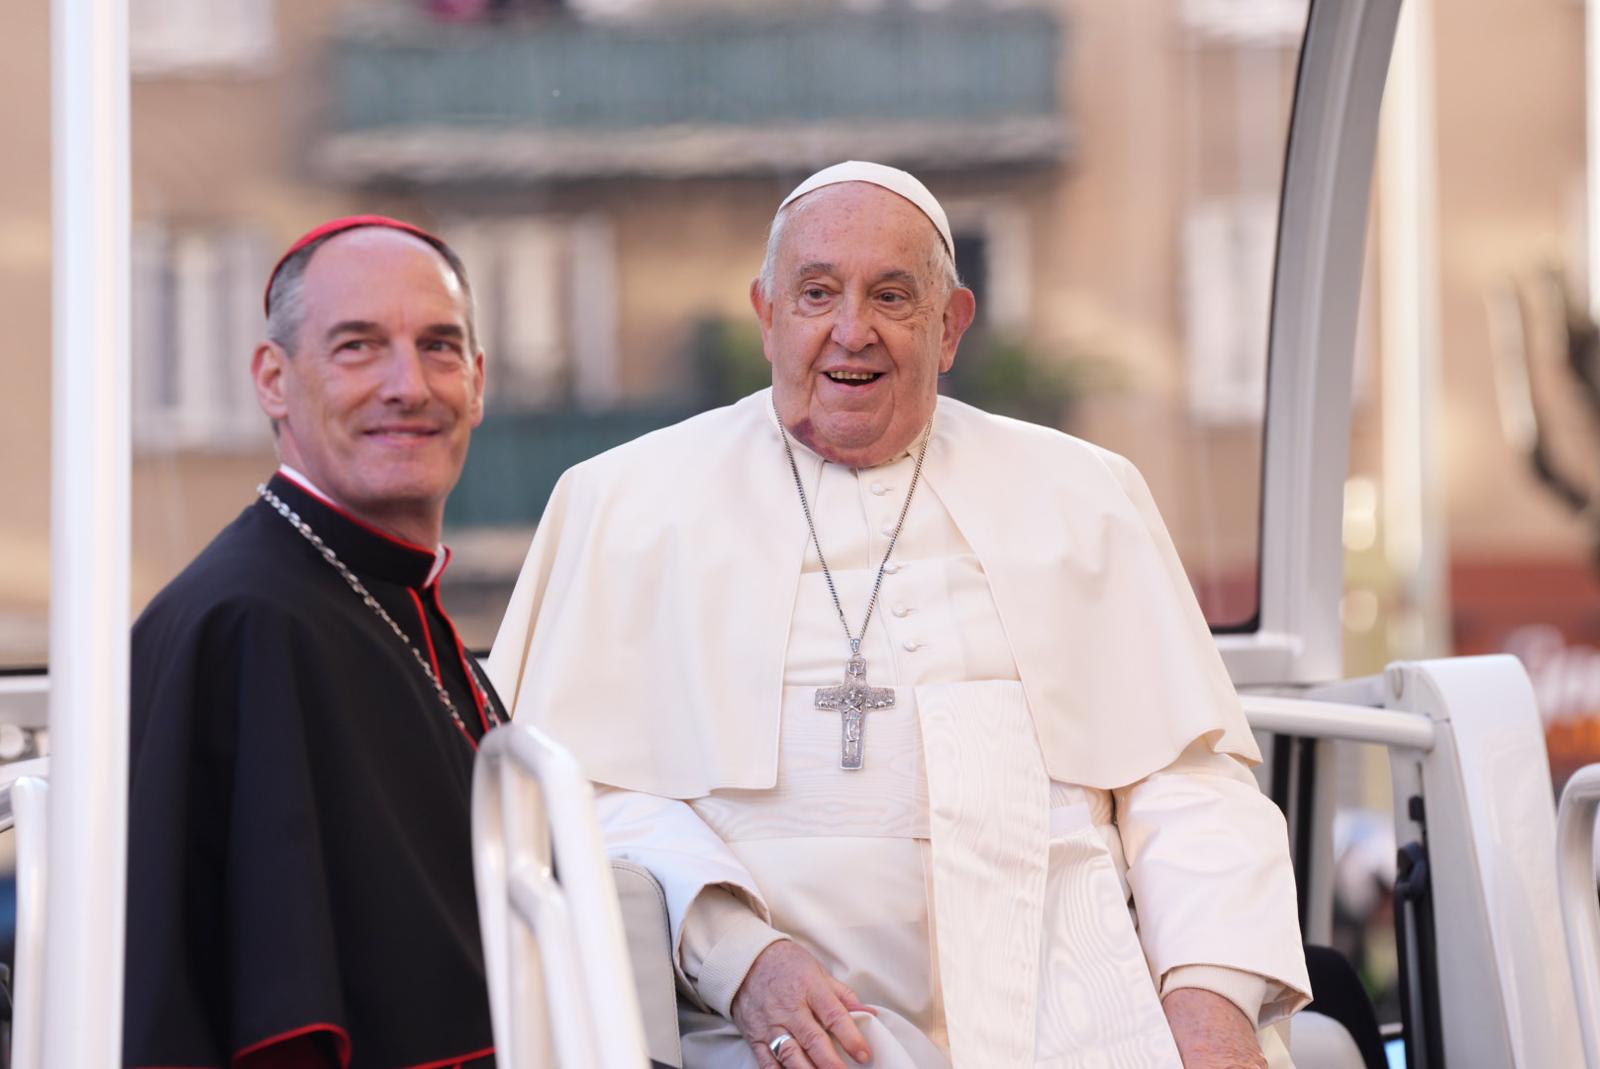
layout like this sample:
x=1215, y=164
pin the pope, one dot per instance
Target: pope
x=909, y=707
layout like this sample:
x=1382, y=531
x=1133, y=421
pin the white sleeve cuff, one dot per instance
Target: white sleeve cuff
x=722, y=937
x=1246, y=990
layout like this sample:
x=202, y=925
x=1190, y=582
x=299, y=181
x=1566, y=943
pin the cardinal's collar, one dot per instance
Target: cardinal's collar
x=358, y=543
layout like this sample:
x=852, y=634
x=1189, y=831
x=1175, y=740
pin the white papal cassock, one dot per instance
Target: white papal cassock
x=958, y=882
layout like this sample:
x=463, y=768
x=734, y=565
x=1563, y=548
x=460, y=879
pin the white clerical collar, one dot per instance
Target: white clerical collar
x=441, y=555
x=804, y=450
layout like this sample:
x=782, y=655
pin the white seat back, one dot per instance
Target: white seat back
x=649, y=932
x=561, y=990
x=1319, y=1042
x=1575, y=856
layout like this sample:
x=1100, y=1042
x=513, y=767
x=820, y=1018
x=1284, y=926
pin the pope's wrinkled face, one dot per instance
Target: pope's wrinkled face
x=377, y=401
x=860, y=320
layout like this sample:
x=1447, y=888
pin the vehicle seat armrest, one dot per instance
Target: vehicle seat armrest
x=649, y=933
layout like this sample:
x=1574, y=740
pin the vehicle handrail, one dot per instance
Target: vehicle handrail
x=1580, y=899
x=28, y=798
x=24, y=795
x=9, y=774
x=1309, y=718
x=548, y=910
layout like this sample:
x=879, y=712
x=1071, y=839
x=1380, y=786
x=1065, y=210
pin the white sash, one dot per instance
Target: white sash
x=1037, y=953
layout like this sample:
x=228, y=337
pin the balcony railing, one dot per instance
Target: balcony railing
x=719, y=93
x=517, y=457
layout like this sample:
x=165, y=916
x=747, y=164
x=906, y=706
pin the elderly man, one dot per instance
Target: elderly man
x=304, y=716
x=909, y=707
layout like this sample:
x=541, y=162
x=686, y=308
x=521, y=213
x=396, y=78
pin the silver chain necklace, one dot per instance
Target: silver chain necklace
x=371, y=602
x=854, y=696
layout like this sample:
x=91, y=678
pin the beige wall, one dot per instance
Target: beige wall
x=25, y=308
x=1511, y=163
x=209, y=148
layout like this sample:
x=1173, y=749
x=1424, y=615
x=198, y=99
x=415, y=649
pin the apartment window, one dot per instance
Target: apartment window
x=992, y=256
x=196, y=320
x=187, y=36
x=1228, y=248
x=546, y=290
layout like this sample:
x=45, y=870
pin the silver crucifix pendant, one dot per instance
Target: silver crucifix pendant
x=852, y=699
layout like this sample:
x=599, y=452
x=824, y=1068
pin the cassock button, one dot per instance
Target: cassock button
x=891, y=568
x=888, y=530
x=879, y=489
x=912, y=645
x=900, y=610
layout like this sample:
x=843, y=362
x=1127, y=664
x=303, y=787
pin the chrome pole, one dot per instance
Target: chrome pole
x=1414, y=534
x=89, y=537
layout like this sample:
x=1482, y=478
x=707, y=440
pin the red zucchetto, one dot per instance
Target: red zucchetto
x=339, y=226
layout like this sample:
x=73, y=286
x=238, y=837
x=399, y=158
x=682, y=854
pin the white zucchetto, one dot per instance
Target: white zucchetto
x=893, y=179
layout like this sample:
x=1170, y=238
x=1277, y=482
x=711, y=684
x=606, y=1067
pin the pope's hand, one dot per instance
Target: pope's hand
x=787, y=990
x=1211, y=1032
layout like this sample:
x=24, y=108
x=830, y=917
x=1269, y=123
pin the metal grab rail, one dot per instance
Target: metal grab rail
x=560, y=981
x=27, y=799
x=24, y=793
x=1580, y=899
x=1309, y=718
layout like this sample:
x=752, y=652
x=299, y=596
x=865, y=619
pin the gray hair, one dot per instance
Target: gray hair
x=942, y=262
x=286, y=300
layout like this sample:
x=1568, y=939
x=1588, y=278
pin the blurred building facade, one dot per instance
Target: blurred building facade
x=608, y=172
x=608, y=168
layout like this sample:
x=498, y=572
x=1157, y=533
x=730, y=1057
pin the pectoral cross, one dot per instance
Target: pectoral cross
x=853, y=698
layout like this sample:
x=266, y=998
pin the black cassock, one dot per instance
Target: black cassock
x=299, y=851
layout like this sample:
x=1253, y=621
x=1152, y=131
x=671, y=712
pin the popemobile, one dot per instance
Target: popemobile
x=1497, y=916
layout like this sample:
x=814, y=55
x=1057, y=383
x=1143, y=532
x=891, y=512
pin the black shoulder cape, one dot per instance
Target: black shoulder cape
x=299, y=852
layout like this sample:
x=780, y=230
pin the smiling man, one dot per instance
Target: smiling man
x=909, y=707
x=304, y=716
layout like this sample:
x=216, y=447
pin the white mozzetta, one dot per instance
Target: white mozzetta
x=695, y=523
